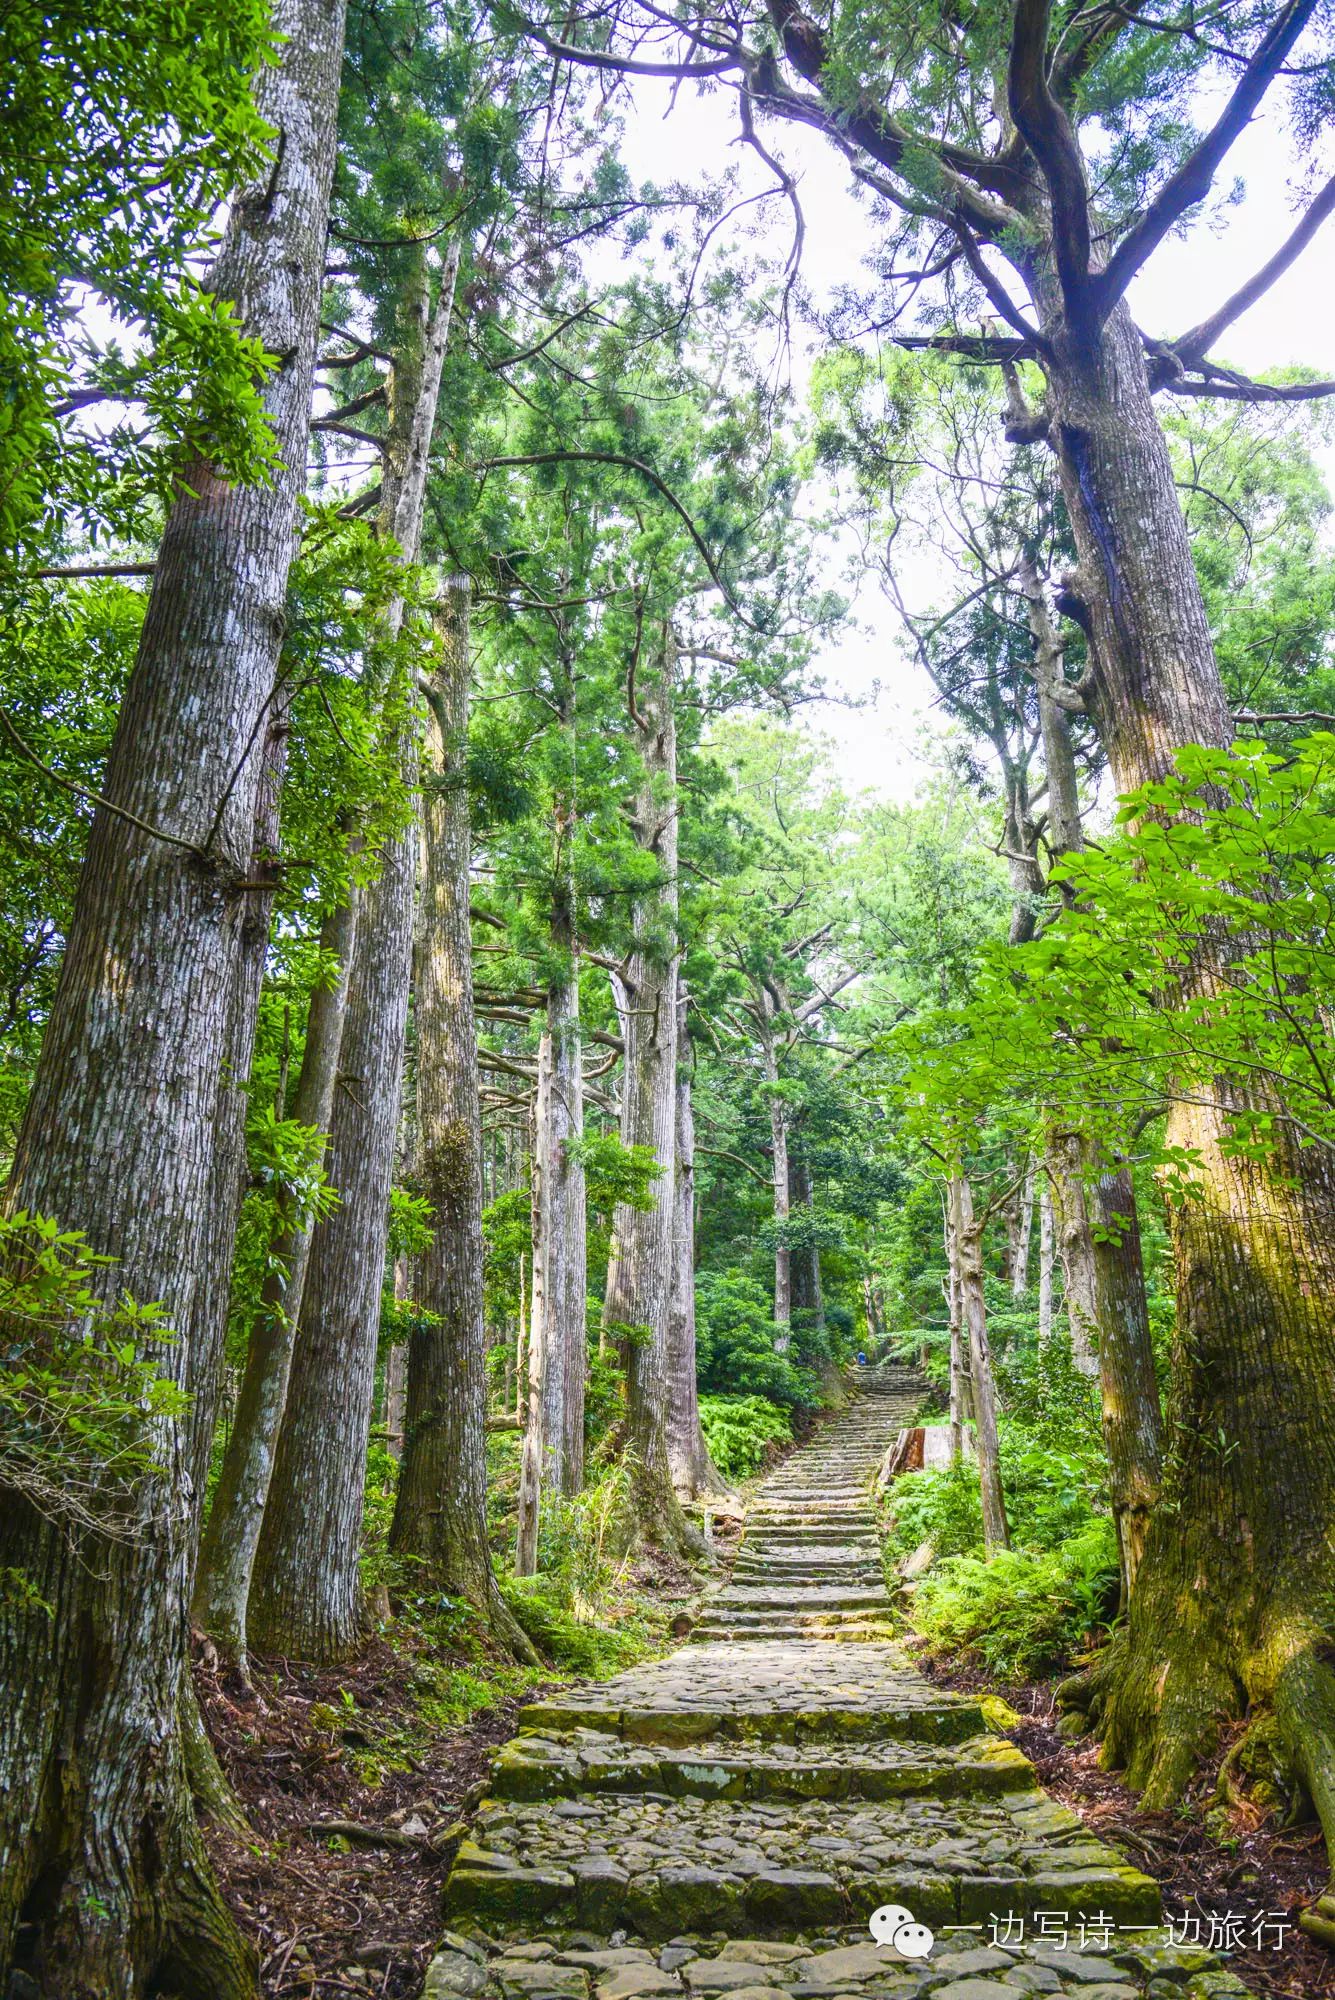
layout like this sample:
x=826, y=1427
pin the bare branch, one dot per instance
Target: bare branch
x=1194, y=345
x=1045, y=128
x=1194, y=178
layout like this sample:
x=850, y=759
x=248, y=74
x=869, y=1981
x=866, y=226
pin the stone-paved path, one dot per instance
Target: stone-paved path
x=725, y=1821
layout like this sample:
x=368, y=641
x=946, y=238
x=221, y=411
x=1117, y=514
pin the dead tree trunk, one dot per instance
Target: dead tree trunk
x=101, y=1855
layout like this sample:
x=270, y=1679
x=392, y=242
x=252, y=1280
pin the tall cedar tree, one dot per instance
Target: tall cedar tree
x=147, y=1047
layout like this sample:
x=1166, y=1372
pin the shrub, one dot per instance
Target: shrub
x=1022, y=1611
x=735, y=1336
x=742, y=1431
x=1050, y=1496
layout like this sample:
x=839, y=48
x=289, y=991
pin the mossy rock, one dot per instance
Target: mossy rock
x=998, y=1713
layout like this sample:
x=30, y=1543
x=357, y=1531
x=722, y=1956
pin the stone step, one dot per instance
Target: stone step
x=811, y=1597
x=661, y=1866
x=778, y=1576
x=858, y=1541
x=533, y=1766
x=862, y=1627
x=805, y=1692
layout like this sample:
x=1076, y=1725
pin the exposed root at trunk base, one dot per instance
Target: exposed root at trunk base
x=166, y=1930
x=506, y=1629
x=1161, y=1721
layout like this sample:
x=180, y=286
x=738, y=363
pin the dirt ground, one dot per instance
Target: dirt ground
x=333, y=1913
x=1261, y=1868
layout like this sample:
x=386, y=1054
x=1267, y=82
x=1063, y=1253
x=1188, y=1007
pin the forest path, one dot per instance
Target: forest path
x=726, y=1820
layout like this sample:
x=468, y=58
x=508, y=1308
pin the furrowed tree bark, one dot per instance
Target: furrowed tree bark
x=640, y=1273
x=306, y=1597
x=227, y=1557
x=440, y=1509
x=693, y=1469
x=969, y=1241
x=100, y=1855
x=1249, y=1486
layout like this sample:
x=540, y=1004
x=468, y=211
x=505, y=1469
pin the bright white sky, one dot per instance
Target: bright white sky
x=1294, y=323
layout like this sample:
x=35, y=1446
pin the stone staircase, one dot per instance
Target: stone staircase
x=725, y=1821
x=810, y=1562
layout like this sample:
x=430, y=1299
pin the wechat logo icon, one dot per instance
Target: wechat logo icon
x=892, y=1924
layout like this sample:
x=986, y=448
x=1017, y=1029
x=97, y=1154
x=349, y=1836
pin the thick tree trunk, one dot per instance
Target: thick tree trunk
x=693, y=1470
x=440, y=1511
x=99, y=1851
x=1249, y=1490
x=969, y=1241
x=306, y=1595
x=227, y=1556
x=640, y=1273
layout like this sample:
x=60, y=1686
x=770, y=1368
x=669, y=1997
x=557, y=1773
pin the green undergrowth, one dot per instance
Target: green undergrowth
x=1022, y=1611
x=743, y=1432
x=1030, y=1608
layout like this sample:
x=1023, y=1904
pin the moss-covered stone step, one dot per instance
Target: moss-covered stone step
x=848, y=1628
x=836, y=1962
x=532, y=1766
x=804, y=1692
x=799, y=1597
x=662, y=1865
x=796, y=1537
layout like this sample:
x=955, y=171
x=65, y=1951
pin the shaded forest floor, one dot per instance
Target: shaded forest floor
x=1259, y=1868
x=358, y=1781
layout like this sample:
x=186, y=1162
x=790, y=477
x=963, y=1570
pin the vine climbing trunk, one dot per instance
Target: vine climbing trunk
x=100, y=1857
x=306, y=1596
x=640, y=1274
